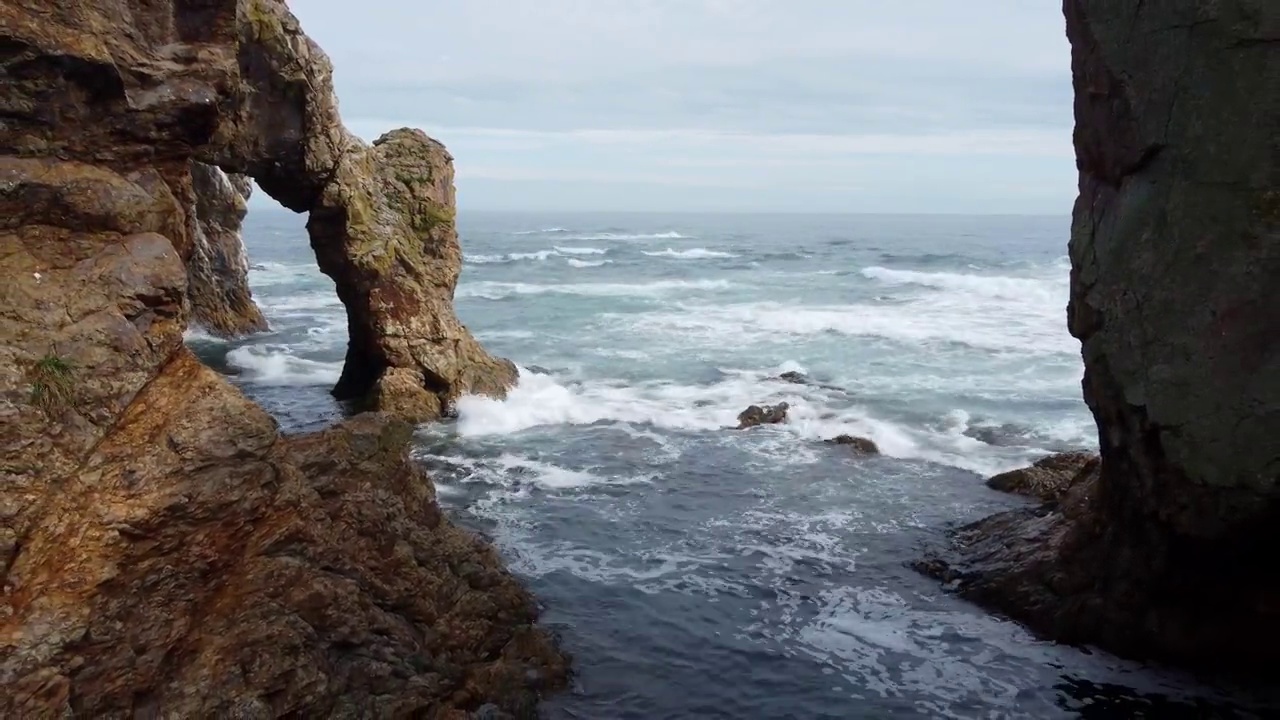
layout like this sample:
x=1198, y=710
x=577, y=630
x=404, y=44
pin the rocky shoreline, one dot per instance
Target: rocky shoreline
x=165, y=548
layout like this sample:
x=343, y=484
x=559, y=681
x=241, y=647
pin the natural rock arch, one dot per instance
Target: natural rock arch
x=163, y=546
x=381, y=221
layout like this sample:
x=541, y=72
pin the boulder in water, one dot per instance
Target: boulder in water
x=1048, y=478
x=795, y=377
x=762, y=415
x=860, y=445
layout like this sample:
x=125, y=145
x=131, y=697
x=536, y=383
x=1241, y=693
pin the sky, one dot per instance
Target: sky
x=910, y=106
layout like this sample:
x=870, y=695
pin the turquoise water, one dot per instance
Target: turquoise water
x=700, y=572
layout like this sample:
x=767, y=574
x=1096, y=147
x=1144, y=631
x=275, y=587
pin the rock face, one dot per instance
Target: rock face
x=383, y=229
x=762, y=415
x=381, y=221
x=1170, y=549
x=1049, y=478
x=218, y=269
x=165, y=550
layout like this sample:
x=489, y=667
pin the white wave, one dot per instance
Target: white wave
x=491, y=290
x=815, y=414
x=268, y=365
x=580, y=250
x=992, y=286
x=574, y=262
x=484, y=259
x=1032, y=326
x=691, y=254
x=310, y=301
x=543, y=231
x=671, y=235
x=517, y=472
x=199, y=334
x=539, y=255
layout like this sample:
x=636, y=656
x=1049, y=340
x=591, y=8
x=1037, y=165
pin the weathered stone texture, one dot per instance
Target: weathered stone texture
x=165, y=550
x=1171, y=548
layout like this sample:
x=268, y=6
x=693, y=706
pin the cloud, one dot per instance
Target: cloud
x=709, y=95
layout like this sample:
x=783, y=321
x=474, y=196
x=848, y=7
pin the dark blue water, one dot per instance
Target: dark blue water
x=701, y=572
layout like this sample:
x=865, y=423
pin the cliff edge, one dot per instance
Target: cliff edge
x=1169, y=549
x=165, y=549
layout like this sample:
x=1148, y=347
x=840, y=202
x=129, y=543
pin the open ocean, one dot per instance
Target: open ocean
x=700, y=572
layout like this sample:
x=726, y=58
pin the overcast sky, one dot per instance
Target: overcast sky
x=764, y=105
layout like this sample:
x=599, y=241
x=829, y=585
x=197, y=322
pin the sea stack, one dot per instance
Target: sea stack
x=166, y=550
x=1169, y=550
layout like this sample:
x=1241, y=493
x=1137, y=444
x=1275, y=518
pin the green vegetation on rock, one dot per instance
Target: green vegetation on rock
x=52, y=382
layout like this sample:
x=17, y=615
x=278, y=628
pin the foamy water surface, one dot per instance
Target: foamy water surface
x=700, y=572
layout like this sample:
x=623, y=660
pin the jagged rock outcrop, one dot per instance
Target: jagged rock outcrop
x=218, y=269
x=762, y=415
x=165, y=550
x=1048, y=478
x=383, y=229
x=1170, y=550
x=381, y=221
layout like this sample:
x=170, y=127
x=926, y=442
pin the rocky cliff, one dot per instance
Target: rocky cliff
x=218, y=269
x=1170, y=549
x=164, y=547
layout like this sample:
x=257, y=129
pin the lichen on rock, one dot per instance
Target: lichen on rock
x=383, y=229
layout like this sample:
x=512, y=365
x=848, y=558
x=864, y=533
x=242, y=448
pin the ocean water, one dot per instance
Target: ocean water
x=696, y=571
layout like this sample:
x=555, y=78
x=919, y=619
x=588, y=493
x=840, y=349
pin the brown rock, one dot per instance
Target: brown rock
x=384, y=231
x=1048, y=478
x=381, y=220
x=762, y=415
x=860, y=445
x=218, y=269
x=165, y=551
x=231, y=570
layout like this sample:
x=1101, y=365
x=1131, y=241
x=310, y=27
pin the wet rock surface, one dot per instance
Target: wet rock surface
x=165, y=550
x=762, y=415
x=860, y=445
x=1166, y=549
x=1048, y=478
x=218, y=269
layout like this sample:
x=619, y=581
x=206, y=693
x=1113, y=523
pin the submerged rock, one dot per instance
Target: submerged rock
x=1166, y=548
x=794, y=377
x=1048, y=478
x=762, y=415
x=165, y=550
x=860, y=445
